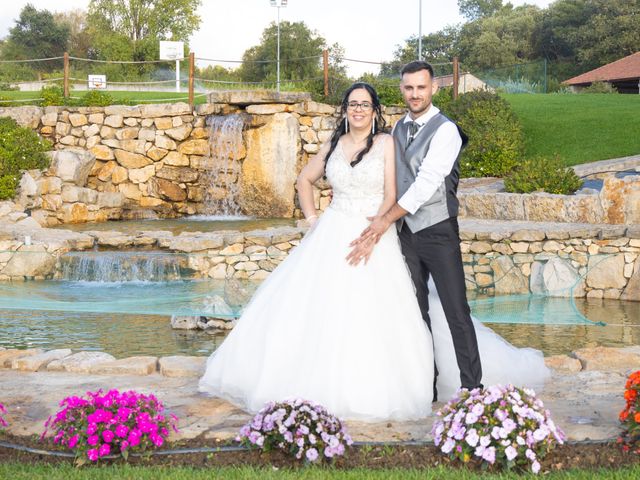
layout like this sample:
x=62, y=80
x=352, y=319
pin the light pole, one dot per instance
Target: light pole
x=278, y=4
x=419, y=29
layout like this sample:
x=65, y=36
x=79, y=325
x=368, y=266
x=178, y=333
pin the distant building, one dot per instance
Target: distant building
x=466, y=83
x=623, y=74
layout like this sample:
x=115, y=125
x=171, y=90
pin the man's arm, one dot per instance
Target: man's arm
x=436, y=165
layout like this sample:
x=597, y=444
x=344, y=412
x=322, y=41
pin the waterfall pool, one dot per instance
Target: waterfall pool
x=132, y=317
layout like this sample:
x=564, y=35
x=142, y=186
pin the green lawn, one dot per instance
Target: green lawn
x=135, y=97
x=68, y=472
x=579, y=128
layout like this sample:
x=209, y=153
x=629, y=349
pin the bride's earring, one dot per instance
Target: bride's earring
x=373, y=126
x=346, y=125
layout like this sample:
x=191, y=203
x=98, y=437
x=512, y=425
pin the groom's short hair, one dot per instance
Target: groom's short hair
x=416, y=66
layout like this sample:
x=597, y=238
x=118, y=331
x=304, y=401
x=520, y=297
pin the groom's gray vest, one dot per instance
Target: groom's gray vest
x=444, y=203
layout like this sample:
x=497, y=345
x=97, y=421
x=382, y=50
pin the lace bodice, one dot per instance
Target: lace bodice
x=358, y=189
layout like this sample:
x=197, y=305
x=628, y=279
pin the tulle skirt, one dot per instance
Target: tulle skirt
x=349, y=338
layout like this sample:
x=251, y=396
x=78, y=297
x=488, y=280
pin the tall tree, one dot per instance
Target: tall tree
x=300, y=54
x=475, y=9
x=142, y=19
x=588, y=33
x=79, y=39
x=36, y=34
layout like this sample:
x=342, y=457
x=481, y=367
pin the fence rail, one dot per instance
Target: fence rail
x=68, y=76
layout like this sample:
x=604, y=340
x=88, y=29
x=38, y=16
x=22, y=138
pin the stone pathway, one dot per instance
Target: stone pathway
x=584, y=393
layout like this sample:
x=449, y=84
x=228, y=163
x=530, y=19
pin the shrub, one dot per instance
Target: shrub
x=502, y=425
x=52, y=95
x=96, y=98
x=20, y=149
x=496, y=141
x=297, y=427
x=599, y=87
x=3, y=411
x=115, y=422
x=630, y=416
x=542, y=175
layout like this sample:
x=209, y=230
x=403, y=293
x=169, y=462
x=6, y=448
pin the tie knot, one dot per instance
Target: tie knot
x=413, y=128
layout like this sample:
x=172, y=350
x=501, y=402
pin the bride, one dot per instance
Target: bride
x=350, y=337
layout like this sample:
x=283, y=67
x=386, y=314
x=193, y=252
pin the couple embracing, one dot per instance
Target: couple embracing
x=368, y=316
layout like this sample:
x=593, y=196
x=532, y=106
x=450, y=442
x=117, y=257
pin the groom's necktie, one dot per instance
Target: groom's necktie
x=413, y=130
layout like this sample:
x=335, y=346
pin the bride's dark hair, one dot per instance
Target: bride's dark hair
x=340, y=130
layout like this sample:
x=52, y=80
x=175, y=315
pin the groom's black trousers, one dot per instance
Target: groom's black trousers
x=435, y=251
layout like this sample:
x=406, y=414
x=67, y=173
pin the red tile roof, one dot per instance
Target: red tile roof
x=624, y=69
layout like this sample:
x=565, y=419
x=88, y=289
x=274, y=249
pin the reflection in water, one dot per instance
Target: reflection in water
x=127, y=334
x=117, y=334
x=622, y=329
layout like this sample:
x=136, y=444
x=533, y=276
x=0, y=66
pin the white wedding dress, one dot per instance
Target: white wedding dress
x=350, y=338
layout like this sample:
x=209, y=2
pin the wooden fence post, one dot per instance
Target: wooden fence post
x=66, y=75
x=325, y=61
x=192, y=68
x=456, y=77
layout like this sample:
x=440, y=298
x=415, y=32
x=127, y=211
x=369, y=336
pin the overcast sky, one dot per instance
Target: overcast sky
x=367, y=29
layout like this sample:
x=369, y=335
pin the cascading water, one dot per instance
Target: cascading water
x=222, y=179
x=121, y=267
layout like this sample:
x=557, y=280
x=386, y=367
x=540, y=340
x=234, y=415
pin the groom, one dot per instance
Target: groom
x=427, y=148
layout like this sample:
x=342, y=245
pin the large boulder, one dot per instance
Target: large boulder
x=27, y=116
x=30, y=261
x=269, y=170
x=72, y=165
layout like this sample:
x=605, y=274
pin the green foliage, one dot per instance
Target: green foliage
x=496, y=141
x=20, y=149
x=36, y=34
x=599, y=87
x=96, y=98
x=542, y=174
x=52, y=95
x=474, y=9
x=300, y=54
x=146, y=19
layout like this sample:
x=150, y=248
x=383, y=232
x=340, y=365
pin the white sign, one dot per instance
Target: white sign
x=171, y=50
x=97, y=82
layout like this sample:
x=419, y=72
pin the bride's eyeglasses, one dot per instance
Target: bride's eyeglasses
x=364, y=106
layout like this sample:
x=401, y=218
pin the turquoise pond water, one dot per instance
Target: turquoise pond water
x=133, y=317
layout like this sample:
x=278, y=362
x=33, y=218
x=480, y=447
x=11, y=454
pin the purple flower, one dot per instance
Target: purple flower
x=122, y=430
x=107, y=436
x=489, y=454
x=312, y=454
x=448, y=445
x=472, y=437
x=535, y=466
x=93, y=440
x=511, y=453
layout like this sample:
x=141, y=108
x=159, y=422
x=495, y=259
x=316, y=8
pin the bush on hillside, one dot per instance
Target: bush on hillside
x=20, y=149
x=496, y=141
x=95, y=98
x=542, y=175
x=599, y=87
x=53, y=95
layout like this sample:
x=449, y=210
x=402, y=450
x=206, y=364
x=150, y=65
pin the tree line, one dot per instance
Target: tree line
x=575, y=35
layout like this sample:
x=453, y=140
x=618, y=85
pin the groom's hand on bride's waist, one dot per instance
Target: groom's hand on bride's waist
x=379, y=224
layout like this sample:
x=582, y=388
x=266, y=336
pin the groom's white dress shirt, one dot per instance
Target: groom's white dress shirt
x=437, y=164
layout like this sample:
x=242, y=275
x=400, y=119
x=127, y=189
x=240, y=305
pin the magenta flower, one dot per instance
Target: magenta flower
x=92, y=454
x=123, y=421
x=104, y=450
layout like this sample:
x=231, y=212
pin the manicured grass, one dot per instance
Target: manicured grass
x=579, y=128
x=136, y=97
x=68, y=472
